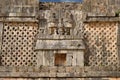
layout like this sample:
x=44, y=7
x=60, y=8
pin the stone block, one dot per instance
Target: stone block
x=79, y=69
x=53, y=69
x=45, y=69
x=70, y=69
x=61, y=69
x=30, y=69
x=61, y=74
x=80, y=58
x=1, y=32
x=52, y=74
x=69, y=59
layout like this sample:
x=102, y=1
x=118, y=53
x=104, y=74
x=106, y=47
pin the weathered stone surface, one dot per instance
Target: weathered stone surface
x=73, y=58
x=19, y=8
x=1, y=31
x=101, y=8
x=102, y=19
x=61, y=69
x=59, y=78
x=59, y=44
x=61, y=31
x=63, y=5
x=60, y=24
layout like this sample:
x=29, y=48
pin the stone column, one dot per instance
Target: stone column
x=1, y=32
x=118, y=41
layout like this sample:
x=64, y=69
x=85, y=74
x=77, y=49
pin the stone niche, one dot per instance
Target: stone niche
x=60, y=52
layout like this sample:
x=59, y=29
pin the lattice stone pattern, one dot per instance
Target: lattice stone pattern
x=18, y=44
x=101, y=39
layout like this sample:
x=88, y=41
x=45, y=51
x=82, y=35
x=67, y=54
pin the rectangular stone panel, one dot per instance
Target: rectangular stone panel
x=17, y=45
x=59, y=44
x=1, y=31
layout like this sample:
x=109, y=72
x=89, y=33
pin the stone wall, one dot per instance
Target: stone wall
x=101, y=39
x=62, y=5
x=61, y=30
x=18, y=8
x=101, y=7
x=59, y=78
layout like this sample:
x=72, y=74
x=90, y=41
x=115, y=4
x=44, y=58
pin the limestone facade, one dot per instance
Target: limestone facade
x=59, y=41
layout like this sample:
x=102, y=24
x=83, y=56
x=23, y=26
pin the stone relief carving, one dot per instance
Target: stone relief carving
x=59, y=23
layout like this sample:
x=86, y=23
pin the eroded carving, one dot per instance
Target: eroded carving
x=59, y=22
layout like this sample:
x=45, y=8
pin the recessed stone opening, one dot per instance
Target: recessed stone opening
x=60, y=59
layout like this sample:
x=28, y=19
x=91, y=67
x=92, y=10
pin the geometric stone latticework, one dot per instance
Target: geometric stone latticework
x=18, y=44
x=101, y=41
